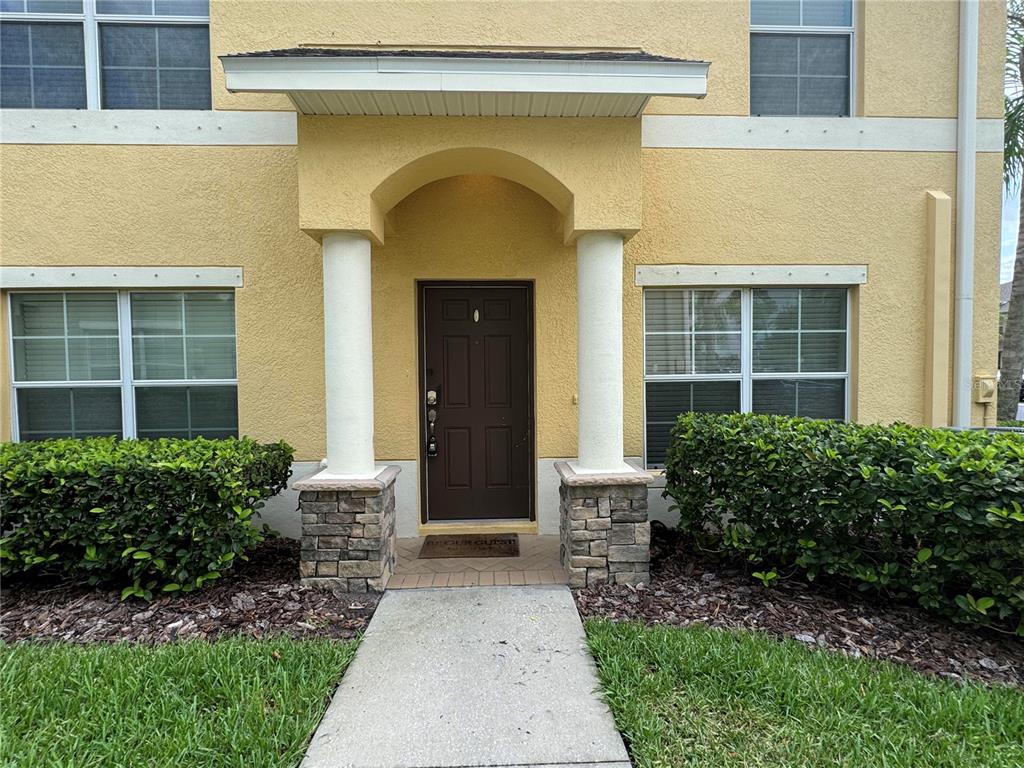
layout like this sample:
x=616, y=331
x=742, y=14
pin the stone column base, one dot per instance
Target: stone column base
x=348, y=531
x=605, y=533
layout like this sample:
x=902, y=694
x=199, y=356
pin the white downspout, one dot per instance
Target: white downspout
x=966, y=155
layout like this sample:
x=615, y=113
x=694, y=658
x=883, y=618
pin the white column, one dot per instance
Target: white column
x=599, y=351
x=348, y=355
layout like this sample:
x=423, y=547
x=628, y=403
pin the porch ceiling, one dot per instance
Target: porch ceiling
x=465, y=83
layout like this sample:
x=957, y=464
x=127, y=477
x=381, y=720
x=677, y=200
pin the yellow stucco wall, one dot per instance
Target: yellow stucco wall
x=740, y=207
x=94, y=205
x=474, y=228
x=216, y=206
x=353, y=170
x=908, y=58
x=907, y=67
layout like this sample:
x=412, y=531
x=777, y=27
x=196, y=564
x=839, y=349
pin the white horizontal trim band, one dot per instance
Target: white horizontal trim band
x=214, y=128
x=146, y=126
x=882, y=134
x=120, y=277
x=782, y=275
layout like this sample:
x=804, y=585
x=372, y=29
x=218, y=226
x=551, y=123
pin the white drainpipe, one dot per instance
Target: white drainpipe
x=966, y=154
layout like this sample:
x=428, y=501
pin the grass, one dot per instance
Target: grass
x=225, y=703
x=713, y=698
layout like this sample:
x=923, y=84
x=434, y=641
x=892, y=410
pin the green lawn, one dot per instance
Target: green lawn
x=712, y=698
x=226, y=703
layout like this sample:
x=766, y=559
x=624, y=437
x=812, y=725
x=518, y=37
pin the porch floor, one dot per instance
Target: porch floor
x=537, y=564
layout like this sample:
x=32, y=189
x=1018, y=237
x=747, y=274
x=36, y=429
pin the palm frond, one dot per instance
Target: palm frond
x=1013, y=139
x=1013, y=126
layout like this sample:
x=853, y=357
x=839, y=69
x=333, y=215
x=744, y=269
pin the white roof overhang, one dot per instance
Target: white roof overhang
x=488, y=85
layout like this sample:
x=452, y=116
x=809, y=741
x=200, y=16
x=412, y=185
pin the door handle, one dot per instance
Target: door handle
x=431, y=418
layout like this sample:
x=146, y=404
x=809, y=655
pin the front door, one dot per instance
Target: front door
x=477, y=393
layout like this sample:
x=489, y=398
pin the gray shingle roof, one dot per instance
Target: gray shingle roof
x=640, y=56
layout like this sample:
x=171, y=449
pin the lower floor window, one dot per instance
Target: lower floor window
x=140, y=364
x=760, y=350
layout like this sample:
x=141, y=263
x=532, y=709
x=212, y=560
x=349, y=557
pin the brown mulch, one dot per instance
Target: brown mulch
x=689, y=588
x=257, y=598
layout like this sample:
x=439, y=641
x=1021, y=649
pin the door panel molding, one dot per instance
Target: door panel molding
x=497, y=462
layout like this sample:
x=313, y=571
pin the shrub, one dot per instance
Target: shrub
x=145, y=515
x=904, y=512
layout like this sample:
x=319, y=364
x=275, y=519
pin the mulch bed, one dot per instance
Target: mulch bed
x=257, y=598
x=690, y=588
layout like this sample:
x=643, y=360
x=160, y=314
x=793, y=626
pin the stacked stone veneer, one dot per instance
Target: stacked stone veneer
x=605, y=533
x=348, y=532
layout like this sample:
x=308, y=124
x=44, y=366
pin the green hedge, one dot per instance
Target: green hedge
x=906, y=512
x=146, y=516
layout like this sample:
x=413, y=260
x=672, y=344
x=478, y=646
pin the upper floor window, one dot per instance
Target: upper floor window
x=110, y=54
x=801, y=54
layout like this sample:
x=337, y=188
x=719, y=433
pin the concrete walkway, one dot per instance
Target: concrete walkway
x=479, y=676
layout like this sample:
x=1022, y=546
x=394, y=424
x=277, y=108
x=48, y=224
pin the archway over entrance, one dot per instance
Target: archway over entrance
x=353, y=170
x=472, y=161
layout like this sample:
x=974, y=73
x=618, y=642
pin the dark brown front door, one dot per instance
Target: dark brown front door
x=476, y=345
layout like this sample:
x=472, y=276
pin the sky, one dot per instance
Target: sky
x=1011, y=209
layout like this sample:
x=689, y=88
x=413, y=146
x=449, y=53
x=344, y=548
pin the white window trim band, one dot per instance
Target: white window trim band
x=266, y=128
x=699, y=275
x=70, y=278
x=879, y=134
x=147, y=126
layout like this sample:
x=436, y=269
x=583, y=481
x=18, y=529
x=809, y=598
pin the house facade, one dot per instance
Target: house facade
x=472, y=258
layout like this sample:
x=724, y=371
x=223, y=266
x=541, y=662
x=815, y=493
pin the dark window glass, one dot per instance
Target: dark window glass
x=41, y=6
x=154, y=7
x=44, y=413
x=42, y=65
x=667, y=399
x=800, y=75
x=812, y=398
x=151, y=66
x=827, y=13
x=805, y=13
x=192, y=411
x=775, y=12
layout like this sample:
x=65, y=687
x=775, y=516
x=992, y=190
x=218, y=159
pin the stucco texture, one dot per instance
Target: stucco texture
x=908, y=60
x=90, y=205
x=473, y=228
x=195, y=206
x=353, y=170
x=907, y=63
x=785, y=207
x=712, y=30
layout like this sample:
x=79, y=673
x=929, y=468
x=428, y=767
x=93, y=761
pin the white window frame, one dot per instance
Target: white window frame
x=91, y=22
x=746, y=376
x=127, y=382
x=792, y=29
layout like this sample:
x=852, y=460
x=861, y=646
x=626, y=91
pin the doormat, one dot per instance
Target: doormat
x=470, y=545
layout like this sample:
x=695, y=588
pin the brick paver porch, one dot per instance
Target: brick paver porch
x=537, y=564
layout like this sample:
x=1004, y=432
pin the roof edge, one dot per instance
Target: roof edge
x=638, y=56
